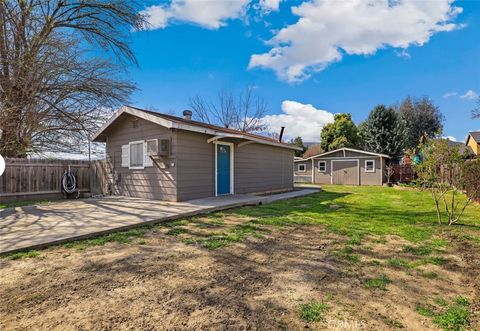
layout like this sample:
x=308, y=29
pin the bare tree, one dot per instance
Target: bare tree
x=242, y=112
x=476, y=111
x=54, y=91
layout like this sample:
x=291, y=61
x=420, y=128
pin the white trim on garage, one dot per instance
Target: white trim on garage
x=325, y=166
x=302, y=165
x=373, y=168
x=345, y=149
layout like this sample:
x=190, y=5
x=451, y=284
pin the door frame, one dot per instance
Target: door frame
x=349, y=160
x=232, y=164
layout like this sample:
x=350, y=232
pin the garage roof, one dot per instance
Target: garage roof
x=344, y=149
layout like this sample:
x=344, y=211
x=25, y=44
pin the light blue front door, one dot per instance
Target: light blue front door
x=223, y=169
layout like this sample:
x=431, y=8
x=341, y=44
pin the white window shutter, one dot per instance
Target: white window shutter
x=125, y=156
x=147, y=161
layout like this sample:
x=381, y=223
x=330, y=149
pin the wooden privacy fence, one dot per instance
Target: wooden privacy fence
x=32, y=179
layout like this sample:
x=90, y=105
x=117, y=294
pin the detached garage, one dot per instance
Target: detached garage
x=345, y=166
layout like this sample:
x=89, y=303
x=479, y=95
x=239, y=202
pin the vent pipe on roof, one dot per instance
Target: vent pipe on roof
x=281, y=134
x=187, y=114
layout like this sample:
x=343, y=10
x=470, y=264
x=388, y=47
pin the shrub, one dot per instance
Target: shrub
x=471, y=178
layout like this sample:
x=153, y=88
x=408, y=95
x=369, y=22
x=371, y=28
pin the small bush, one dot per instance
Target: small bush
x=313, y=311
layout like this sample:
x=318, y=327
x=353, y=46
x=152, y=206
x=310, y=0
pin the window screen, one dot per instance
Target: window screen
x=136, y=154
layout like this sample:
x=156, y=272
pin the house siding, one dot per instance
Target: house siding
x=196, y=166
x=473, y=145
x=261, y=168
x=151, y=182
x=303, y=177
x=372, y=178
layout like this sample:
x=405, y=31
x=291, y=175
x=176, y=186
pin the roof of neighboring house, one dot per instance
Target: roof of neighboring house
x=343, y=149
x=170, y=121
x=475, y=135
x=462, y=148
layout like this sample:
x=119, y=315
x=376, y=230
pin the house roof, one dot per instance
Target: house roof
x=462, y=148
x=475, y=135
x=343, y=149
x=170, y=122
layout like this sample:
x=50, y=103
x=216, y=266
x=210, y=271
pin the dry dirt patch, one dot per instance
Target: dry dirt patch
x=258, y=283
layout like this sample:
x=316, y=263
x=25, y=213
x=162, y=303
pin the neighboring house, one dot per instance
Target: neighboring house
x=165, y=157
x=473, y=141
x=342, y=166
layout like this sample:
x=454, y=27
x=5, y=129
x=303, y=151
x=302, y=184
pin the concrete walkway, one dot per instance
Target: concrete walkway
x=46, y=224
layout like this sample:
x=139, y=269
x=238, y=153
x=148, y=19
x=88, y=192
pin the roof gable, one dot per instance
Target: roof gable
x=475, y=135
x=344, y=149
x=171, y=122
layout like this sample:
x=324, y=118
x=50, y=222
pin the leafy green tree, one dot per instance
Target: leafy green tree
x=341, y=133
x=422, y=118
x=384, y=132
x=298, y=141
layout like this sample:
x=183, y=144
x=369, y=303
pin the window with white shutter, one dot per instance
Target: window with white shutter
x=137, y=154
x=147, y=161
x=125, y=156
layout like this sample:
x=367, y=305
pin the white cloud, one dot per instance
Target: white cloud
x=208, y=14
x=451, y=138
x=326, y=30
x=299, y=119
x=269, y=5
x=449, y=94
x=469, y=95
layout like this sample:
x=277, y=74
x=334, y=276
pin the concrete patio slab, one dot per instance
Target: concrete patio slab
x=42, y=225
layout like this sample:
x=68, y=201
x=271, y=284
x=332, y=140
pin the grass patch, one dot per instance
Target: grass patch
x=313, y=311
x=399, y=263
x=21, y=255
x=347, y=254
x=425, y=310
x=233, y=235
x=172, y=224
x=428, y=274
x=123, y=237
x=379, y=282
x=23, y=203
x=176, y=231
x=435, y=260
x=441, y=302
x=453, y=316
x=419, y=250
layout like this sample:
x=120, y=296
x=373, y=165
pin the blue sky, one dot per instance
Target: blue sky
x=336, y=59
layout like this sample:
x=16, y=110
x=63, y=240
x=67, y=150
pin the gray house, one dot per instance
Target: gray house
x=345, y=166
x=165, y=157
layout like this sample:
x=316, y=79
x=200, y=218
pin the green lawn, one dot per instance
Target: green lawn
x=355, y=212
